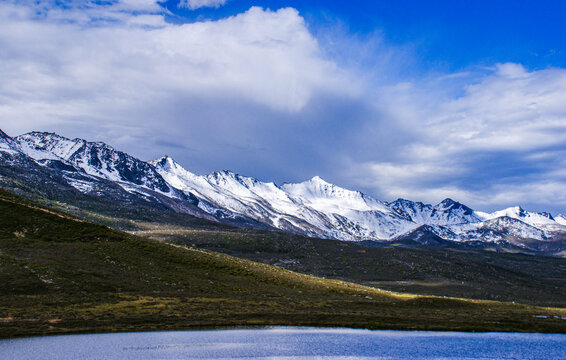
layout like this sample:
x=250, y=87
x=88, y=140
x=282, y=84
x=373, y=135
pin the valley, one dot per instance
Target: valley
x=454, y=272
x=59, y=275
x=93, y=239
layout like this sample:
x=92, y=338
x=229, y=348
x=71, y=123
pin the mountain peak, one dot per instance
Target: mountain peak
x=513, y=211
x=452, y=204
x=401, y=200
x=448, y=202
x=3, y=135
x=7, y=143
x=224, y=173
x=546, y=215
x=317, y=179
x=319, y=185
x=161, y=159
x=455, y=209
x=44, y=135
x=228, y=176
x=317, y=188
x=48, y=141
x=164, y=161
x=405, y=202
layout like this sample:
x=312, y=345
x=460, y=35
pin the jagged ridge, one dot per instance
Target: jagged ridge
x=313, y=207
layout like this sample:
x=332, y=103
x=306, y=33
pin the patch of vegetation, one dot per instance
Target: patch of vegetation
x=63, y=275
x=467, y=273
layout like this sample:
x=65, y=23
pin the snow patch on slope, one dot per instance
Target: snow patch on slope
x=539, y=220
x=447, y=212
x=96, y=159
x=313, y=207
x=316, y=206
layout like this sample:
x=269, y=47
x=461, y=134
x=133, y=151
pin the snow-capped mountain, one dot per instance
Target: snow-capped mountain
x=542, y=220
x=316, y=207
x=313, y=207
x=7, y=144
x=96, y=159
x=455, y=221
x=448, y=212
x=355, y=215
x=561, y=219
x=63, y=169
x=228, y=195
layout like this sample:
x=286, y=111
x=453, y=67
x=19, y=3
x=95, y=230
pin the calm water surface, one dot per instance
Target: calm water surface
x=288, y=343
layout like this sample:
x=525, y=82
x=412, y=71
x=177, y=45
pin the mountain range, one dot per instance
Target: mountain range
x=93, y=171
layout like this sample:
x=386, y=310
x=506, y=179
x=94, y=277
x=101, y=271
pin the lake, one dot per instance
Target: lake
x=288, y=343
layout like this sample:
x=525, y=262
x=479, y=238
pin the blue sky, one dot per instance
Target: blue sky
x=414, y=99
x=450, y=35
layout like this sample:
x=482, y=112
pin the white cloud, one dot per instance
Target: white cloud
x=54, y=70
x=502, y=125
x=424, y=182
x=196, y=4
x=85, y=12
x=256, y=91
x=512, y=71
x=509, y=110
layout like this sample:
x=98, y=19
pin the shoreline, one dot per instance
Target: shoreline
x=267, y=327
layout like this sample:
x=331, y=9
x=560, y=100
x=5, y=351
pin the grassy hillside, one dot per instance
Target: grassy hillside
x=62, y=275
x=445, y=271
x=467, y=273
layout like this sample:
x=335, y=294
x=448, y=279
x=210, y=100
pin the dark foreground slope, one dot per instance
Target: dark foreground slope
x=61, y=275
x=456, y=272
x=492, y=273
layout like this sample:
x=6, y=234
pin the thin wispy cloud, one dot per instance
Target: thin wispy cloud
x=197, y=4
x=261, y=93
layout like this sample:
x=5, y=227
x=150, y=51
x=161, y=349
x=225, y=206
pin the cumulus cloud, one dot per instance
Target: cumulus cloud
x=64, y=70
x=265, y=56
x=244, y=92
x=196, y=4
